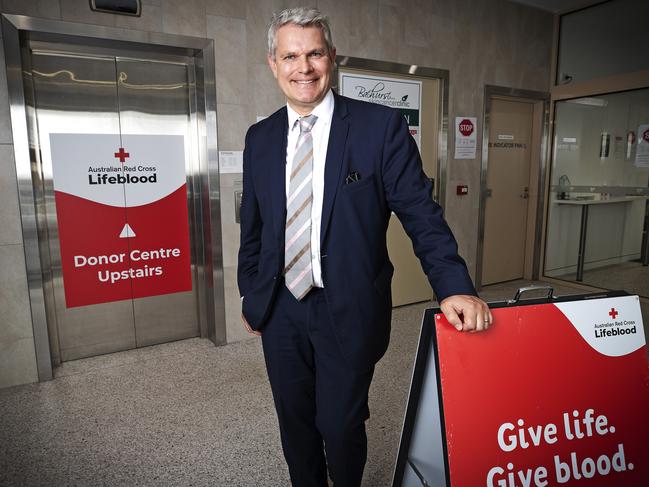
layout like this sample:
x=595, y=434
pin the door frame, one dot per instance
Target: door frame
x=206, y=193
x=415, y=71
x=538, y=168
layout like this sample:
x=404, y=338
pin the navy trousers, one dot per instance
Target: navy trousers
x=321, y=403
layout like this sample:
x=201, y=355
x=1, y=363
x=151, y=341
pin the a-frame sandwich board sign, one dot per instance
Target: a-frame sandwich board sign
x=555, y=393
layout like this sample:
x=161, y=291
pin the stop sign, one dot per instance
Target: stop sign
x=466, y=127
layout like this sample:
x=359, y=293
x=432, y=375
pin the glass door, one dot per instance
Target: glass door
x=597, y=220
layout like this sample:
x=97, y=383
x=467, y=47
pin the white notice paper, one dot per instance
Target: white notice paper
x=230, y=162
x=642, y=149
x=466, y=137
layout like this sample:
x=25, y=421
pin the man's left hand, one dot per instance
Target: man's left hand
x=466, y=313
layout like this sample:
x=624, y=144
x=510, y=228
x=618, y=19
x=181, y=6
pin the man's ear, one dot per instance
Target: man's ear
x=273, y=65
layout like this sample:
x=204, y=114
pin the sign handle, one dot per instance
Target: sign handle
x=522, y=290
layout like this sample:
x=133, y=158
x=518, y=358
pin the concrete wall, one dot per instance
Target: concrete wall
x=479, y=41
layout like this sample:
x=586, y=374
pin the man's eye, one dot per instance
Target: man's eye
x=289, y=57
x=316, y=54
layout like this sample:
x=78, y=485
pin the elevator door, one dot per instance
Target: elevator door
x=122, y=255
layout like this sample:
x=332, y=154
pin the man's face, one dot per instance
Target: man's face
x=302, y=66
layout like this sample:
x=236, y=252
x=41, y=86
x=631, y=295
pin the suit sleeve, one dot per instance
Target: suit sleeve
x=409, y=194
x=251, y=225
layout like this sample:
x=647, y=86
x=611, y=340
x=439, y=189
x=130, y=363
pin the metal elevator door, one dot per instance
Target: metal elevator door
x=119, y=118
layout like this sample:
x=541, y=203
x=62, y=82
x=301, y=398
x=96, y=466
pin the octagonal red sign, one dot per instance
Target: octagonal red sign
x=466, y=127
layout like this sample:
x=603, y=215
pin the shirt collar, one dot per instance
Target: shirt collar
x=324, y=110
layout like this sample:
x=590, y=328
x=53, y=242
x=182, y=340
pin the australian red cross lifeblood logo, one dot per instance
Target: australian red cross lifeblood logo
x=613, y=313
x=122, y=154
x=466, y=127
x=122, y=216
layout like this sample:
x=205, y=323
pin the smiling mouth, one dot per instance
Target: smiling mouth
x=304, y=81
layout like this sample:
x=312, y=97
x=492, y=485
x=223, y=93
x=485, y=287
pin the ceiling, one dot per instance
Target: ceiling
x=558, y=6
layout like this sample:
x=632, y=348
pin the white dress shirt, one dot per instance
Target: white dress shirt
x=320, y=133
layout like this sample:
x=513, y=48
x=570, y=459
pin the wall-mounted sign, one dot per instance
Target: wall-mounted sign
x=122, y=216
x=466, y=137
x=642, y=148
x=230, y=162
x=403, y=94
x=552, y=394
x=507, y=145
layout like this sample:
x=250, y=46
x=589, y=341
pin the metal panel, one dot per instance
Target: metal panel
x=154, y=99
x=211, y=193
x=76, y=95
x=21, y=112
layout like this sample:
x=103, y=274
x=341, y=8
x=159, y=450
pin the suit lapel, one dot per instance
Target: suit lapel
x=334, y=161
x=277, y=175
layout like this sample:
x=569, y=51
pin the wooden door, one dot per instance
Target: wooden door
x=508, y=190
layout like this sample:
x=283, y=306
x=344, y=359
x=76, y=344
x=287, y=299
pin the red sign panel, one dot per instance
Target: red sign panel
x=551, y=395
x=122, y=217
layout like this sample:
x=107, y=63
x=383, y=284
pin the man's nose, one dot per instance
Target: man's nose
x=305, y=64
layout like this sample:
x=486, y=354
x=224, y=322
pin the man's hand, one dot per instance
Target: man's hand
x=248, y=328
x=474, y=311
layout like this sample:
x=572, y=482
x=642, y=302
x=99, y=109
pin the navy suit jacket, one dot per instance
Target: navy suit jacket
x=373, y=141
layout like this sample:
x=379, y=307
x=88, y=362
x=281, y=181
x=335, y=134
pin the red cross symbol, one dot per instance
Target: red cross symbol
x=613, y=313
x=122, y=155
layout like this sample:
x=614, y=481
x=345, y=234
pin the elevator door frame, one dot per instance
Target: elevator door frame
x=17, y=31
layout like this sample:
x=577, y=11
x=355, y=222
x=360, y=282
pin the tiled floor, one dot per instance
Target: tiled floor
x=184, y=413
x=630, y=276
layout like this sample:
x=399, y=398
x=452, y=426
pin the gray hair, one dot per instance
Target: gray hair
x=302, y=16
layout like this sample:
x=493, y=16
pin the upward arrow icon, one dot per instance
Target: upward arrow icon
x=127, y=232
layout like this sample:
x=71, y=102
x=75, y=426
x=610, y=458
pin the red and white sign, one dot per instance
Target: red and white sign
x=122, y=216
x=466, y=137
x=552, y=394
x=466, y=127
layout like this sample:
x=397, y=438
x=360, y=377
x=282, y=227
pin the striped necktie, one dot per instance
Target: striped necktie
x=298, y=273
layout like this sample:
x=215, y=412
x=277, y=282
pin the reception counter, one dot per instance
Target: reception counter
x=585, y=202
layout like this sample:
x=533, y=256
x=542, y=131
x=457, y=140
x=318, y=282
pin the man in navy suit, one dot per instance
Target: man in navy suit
x=321, y=178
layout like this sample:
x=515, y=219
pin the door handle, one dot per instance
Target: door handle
x=488, y=192
x=526, y=193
